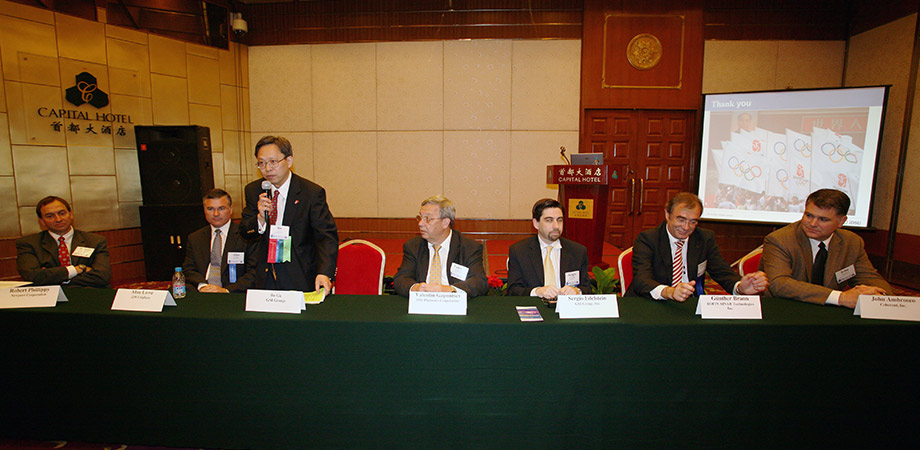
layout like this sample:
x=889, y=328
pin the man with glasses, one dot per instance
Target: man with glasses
x=669, y=260
x=299, y=242
x=440, y=259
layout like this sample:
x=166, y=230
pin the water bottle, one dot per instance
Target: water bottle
x=178, y=284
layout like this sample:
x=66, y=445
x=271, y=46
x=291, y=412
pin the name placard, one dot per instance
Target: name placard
x=729, y=307
x=587, y=307
x=438, y=303
x=888, y=307
x=31, y=297
x=146, y=300
x=260, y=300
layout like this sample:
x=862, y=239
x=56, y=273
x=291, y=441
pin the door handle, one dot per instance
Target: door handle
x=632, y=195
x=641, y=191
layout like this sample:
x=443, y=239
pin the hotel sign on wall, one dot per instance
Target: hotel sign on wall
x=86, y=91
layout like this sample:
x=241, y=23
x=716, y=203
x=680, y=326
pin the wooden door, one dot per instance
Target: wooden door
x=653, y=148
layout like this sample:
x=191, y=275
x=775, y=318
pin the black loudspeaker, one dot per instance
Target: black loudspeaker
x=164, y=229
x=175, y=164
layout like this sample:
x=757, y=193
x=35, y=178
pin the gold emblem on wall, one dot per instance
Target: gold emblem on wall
x=644, y=51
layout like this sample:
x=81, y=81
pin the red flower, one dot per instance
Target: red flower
x=495, y=282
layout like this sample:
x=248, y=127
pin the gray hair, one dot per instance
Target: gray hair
x=448, y=211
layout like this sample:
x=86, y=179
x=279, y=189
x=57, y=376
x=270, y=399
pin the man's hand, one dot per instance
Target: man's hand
x=83, y=269
x=679, y=293
x=213, y=289
x=753, y=283
x=849, y=297
x=429, y=287
x=547, y=292
x=569, y=290
x=265, y=206
x=323, y=281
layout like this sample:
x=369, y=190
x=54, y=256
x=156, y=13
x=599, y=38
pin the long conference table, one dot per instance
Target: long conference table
x=359, y=372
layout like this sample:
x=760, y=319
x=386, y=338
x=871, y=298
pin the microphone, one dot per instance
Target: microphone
x=267, y=187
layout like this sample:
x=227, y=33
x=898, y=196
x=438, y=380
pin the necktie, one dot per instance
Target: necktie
x=214, y=271
x=549, y=272
x=63, y=253
x=678, y=268
x=273, y=216
x=817, y=271
x=434, y=275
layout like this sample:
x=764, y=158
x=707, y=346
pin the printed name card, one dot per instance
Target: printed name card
x=888, y=307
x=587, y=307
x=142, y=300
x=31, y=297
x=260, y=300
x=729, y=307
x=438, y=303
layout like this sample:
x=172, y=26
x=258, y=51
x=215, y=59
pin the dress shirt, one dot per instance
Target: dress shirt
x=554, y=257
x=442, y=253
x=834, y=297
x=68, y=240
x=282, y=198
x=223, y=241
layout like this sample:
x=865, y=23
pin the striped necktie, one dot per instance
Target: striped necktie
x=678, y=268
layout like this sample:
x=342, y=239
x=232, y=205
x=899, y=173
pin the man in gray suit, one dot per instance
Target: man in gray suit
x=815, y=261
x=61, y=254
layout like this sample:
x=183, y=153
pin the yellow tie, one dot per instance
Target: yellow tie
x=434, y=275
x=549, y=273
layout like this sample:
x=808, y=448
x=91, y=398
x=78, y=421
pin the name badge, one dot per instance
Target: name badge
x=83, y=252
x=260, y=300
x=31, y=297
x=438, y=303
x=142, y=300
x=729, y=307
x=701, y=269
x=459, y=272
x=572, y=278
x=279, y=231
x=845, y=274
x=236, y=258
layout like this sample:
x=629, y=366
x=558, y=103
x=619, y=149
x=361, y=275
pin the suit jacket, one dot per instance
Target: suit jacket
x=652, y=260
x=787, y=260
x=198, y=258
x=314, y=237
x=525, y=265
x=37, y=260
x=463, y=251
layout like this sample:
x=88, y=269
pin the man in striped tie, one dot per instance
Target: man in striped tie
x=669, y=261
x=62, y=254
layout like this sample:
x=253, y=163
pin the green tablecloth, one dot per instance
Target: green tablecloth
x=358, y=371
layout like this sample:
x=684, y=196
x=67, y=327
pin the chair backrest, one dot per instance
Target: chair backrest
x=624, y=268
x=359, y=268
x=749, y=263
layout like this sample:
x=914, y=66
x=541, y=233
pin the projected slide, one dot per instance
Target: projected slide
x=764, y=152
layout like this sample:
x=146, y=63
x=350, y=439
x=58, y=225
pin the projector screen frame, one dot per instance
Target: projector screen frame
x=704, y=157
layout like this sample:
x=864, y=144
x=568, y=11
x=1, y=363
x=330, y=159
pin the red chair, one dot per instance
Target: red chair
x=624, y=266
x=750, y=262
x=359, y=269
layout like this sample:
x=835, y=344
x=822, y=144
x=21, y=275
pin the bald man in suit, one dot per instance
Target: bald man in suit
x=792, y=256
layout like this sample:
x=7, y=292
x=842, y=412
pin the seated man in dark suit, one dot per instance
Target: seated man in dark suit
x=208, y=251
x=814, y=260
x=61, y=254
x=548, y=265
x=668, y=259
x=441, y=259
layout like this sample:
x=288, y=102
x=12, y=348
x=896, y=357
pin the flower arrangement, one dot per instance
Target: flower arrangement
x=496, y=286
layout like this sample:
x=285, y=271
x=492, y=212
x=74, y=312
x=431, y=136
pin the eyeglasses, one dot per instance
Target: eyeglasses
x=426, y=219
x=270, y=163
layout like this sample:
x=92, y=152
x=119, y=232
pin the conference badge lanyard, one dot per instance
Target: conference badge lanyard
x=279, y=244
x=234, y=258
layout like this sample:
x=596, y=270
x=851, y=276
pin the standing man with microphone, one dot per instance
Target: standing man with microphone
x=299, y=242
